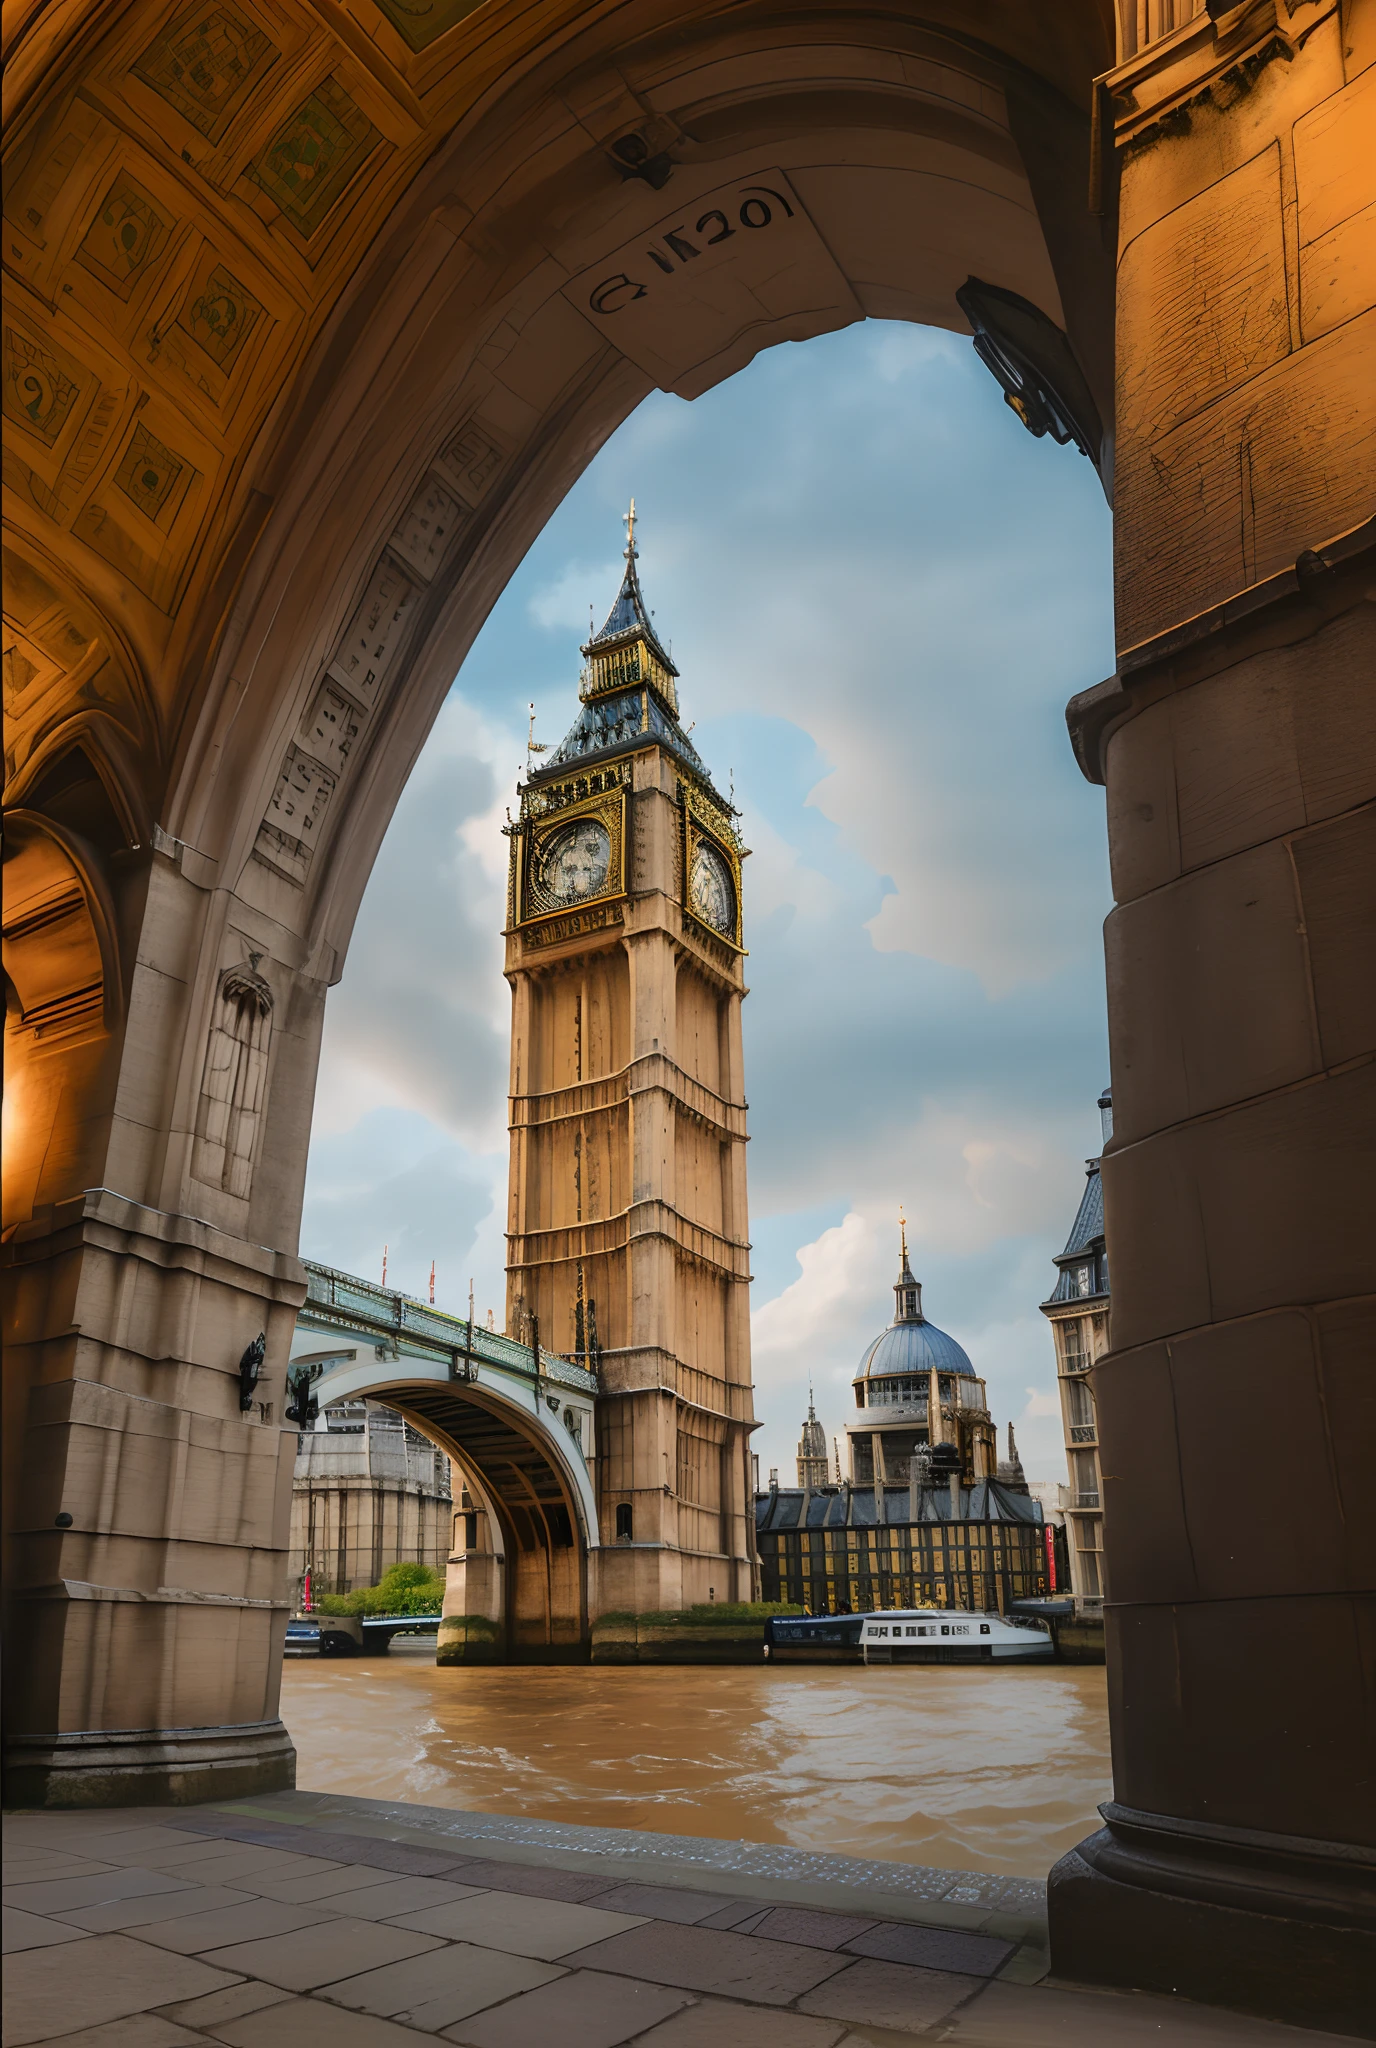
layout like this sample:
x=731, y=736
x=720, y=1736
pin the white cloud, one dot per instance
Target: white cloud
x=421, y=1015
x=563, y=604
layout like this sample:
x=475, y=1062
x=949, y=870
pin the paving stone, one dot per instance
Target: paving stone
x=403, y=1858
x=92, y=1982
x=394, y=1896
x=142, y=2031
x=306, y=2023
x=658, y=1902
x=548, y=1928
x=27, y=1866
x=573, y=1885
x=743, y=1914
x=406, y=1861
x=241, y=1866
x=197, y=1933
x=336, y=1948
x=19, y=1930
x=224, y=2005
x=190, y=1849
x=299, y=1891
x=713, y=1959
x=889, y=1995
x=716, y=2024
x=151, y=1846
x=932, y=1948
x=116, y=1915
x=449, y=1984
x=814, y=1930
x=67, y=1894
x=585, y=2010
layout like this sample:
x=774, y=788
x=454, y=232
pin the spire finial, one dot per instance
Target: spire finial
x=628, y=521
x=903, y=1233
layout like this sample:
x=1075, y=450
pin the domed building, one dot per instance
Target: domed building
x=926, y=1515
x=915, y=1389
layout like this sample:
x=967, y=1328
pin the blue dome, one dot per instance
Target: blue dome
x=913, y=1347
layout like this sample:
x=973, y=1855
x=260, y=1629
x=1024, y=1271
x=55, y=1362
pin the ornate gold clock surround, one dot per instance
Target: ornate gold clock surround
x=541, y=822
x=703, y=824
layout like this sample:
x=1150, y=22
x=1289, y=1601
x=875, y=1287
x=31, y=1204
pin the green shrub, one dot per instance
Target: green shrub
x=405, y=1589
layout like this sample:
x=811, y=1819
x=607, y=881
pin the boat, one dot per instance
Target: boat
x=917, y=1635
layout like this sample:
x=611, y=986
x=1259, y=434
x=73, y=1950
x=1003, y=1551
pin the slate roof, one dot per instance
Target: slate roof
x=628, y=618
x=856, y=1507
x=615, y=724
x=1084, y=1244
x=1088, y=1228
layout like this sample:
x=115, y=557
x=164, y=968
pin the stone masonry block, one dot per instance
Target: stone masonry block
x=1209, y=997
x=1261, y=1208
x=1336, y=867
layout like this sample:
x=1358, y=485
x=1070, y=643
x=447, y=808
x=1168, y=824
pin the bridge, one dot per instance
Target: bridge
x=344, y=1635
x=518, y=1424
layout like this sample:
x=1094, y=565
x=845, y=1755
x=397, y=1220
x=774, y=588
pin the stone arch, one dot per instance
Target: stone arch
x=527, y=1575
x=439, y=342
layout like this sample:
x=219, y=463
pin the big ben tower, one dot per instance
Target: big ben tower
x=627, y=1233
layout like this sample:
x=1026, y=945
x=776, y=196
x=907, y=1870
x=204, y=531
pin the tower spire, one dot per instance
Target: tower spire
x=907, y=1292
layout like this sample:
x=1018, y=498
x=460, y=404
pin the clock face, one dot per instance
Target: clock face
x=575, y=861
x=711, y=892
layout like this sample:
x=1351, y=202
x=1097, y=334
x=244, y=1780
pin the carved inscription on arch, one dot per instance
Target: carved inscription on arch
x=428, y=526
x=369, y=650
x=724, y=272
x=373, y=637
x=290, y=832
x=471, y=460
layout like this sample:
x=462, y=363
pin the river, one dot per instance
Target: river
x=992, y=1770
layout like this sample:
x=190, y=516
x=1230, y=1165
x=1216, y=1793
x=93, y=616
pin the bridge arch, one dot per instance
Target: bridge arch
x=520, y=1430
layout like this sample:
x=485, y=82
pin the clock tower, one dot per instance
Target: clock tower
x=627, y=1236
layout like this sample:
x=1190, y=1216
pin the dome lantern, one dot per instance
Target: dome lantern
x=907, y=1292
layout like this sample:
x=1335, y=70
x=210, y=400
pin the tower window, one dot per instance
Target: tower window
x=623, y=1521
x=910, y=1302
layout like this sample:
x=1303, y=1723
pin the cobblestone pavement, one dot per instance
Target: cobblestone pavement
x=303, y=1919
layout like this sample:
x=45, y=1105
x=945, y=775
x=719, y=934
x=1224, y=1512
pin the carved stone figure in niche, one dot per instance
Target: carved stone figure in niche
x=234, y=1086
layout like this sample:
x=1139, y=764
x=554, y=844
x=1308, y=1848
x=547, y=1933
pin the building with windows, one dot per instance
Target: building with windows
x=368, y=1492
x=928, y=1515
x=857, y=1549
x=1078, y=1311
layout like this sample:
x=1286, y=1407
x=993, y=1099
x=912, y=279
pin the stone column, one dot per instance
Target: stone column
x=473, y=1622
x=1238, y=744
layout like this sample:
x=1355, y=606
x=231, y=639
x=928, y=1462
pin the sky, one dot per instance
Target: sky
x=879, y=590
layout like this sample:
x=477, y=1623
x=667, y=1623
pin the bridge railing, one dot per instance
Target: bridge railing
x=345, y=1299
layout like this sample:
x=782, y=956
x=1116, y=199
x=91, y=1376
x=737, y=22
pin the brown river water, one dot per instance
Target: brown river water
x=970, y=1769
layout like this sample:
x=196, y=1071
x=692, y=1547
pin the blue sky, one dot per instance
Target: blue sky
x=880, y=592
